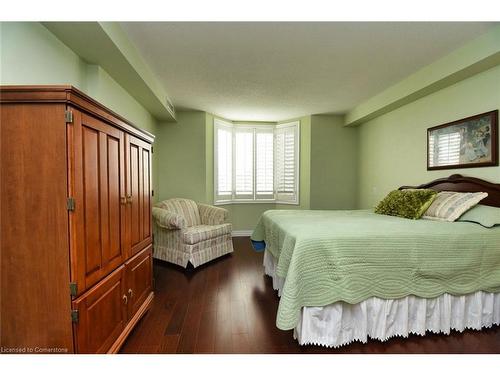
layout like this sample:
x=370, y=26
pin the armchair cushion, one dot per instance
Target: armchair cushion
x=198, y=233
x=167, y=219
x=184, y=207
x=211, y=215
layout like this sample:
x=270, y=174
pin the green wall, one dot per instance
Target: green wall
x=104, y=89
x=180, y=148
x=209, y=157
x=31, y=55
x=334, y=161
x=392, y=147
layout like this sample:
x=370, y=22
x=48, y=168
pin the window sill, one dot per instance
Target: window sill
x=262, y=201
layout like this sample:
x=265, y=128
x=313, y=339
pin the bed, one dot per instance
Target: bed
x=346, y=276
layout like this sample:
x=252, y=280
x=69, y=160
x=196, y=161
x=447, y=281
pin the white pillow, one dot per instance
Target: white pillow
x=450, y=205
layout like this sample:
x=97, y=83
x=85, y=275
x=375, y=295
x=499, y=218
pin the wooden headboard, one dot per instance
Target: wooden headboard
x=461, y=183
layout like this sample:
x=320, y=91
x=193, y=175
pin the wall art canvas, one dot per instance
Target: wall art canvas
x=466, y=143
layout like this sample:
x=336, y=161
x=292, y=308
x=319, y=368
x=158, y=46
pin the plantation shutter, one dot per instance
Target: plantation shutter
x=286, y=163
x=264, y=163
x=256, y=162
x=223, y=160
x=243, y=162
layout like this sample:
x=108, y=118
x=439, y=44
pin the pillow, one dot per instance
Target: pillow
x=168, y=219
x=408, y=203
x=450, y=205
x=483, y=215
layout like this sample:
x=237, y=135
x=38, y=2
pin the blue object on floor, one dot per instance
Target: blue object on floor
x=258, y=245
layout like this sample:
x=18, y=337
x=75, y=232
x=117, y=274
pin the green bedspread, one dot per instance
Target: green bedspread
x=330, y=256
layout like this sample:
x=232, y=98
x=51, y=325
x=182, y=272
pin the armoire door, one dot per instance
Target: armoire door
x=138, y=158
x=100, y=315
x=139, y=273
x=97, y=185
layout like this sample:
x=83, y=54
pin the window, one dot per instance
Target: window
x=286, y=167
x=264, y=160
x=256, y=163
x=224, y=170
x=243, y=163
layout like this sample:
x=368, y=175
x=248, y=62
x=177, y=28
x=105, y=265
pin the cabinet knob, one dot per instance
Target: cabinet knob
x=131, y=293
x=125, y=299
x=123, y=200
x=129, y=199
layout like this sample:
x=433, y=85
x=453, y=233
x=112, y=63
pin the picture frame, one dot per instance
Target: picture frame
x=470, y=142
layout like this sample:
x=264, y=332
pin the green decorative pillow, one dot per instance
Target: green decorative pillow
x=483, y=215
x=408, y=203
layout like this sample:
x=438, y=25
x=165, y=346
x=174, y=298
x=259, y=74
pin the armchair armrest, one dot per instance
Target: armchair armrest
x=211, y=215
x=167, y=219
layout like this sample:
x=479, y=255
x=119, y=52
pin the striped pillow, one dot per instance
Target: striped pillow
x=450, y=205
x=185, y=207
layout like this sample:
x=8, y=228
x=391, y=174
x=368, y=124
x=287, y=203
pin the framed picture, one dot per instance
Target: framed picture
x=466, y=143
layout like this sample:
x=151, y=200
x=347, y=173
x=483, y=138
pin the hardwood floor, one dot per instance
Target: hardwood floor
x=229, y=306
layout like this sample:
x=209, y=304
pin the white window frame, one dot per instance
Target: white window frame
x=249, y=129
x=295, y=200
x=221, y=124
x=269, y=129
x=218, y=123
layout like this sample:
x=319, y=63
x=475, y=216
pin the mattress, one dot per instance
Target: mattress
x=350, y=256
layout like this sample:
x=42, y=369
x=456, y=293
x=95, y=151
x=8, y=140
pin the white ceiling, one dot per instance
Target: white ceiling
x=276, y=71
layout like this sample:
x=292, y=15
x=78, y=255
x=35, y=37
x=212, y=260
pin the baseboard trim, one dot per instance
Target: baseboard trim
x=242, y=233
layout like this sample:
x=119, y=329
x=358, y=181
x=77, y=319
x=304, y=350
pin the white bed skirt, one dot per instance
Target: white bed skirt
x=341, y=323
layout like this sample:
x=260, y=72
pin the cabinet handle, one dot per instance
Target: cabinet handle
x=125, y=299
x=131, y=293
x=129, y=199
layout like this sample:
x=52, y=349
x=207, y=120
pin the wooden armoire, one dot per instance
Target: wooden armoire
x=76, y=262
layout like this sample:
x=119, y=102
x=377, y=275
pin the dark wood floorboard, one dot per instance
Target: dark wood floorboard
x=229, y=306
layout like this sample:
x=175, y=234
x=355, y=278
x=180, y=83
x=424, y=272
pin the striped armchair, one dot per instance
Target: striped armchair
x=186, y=231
